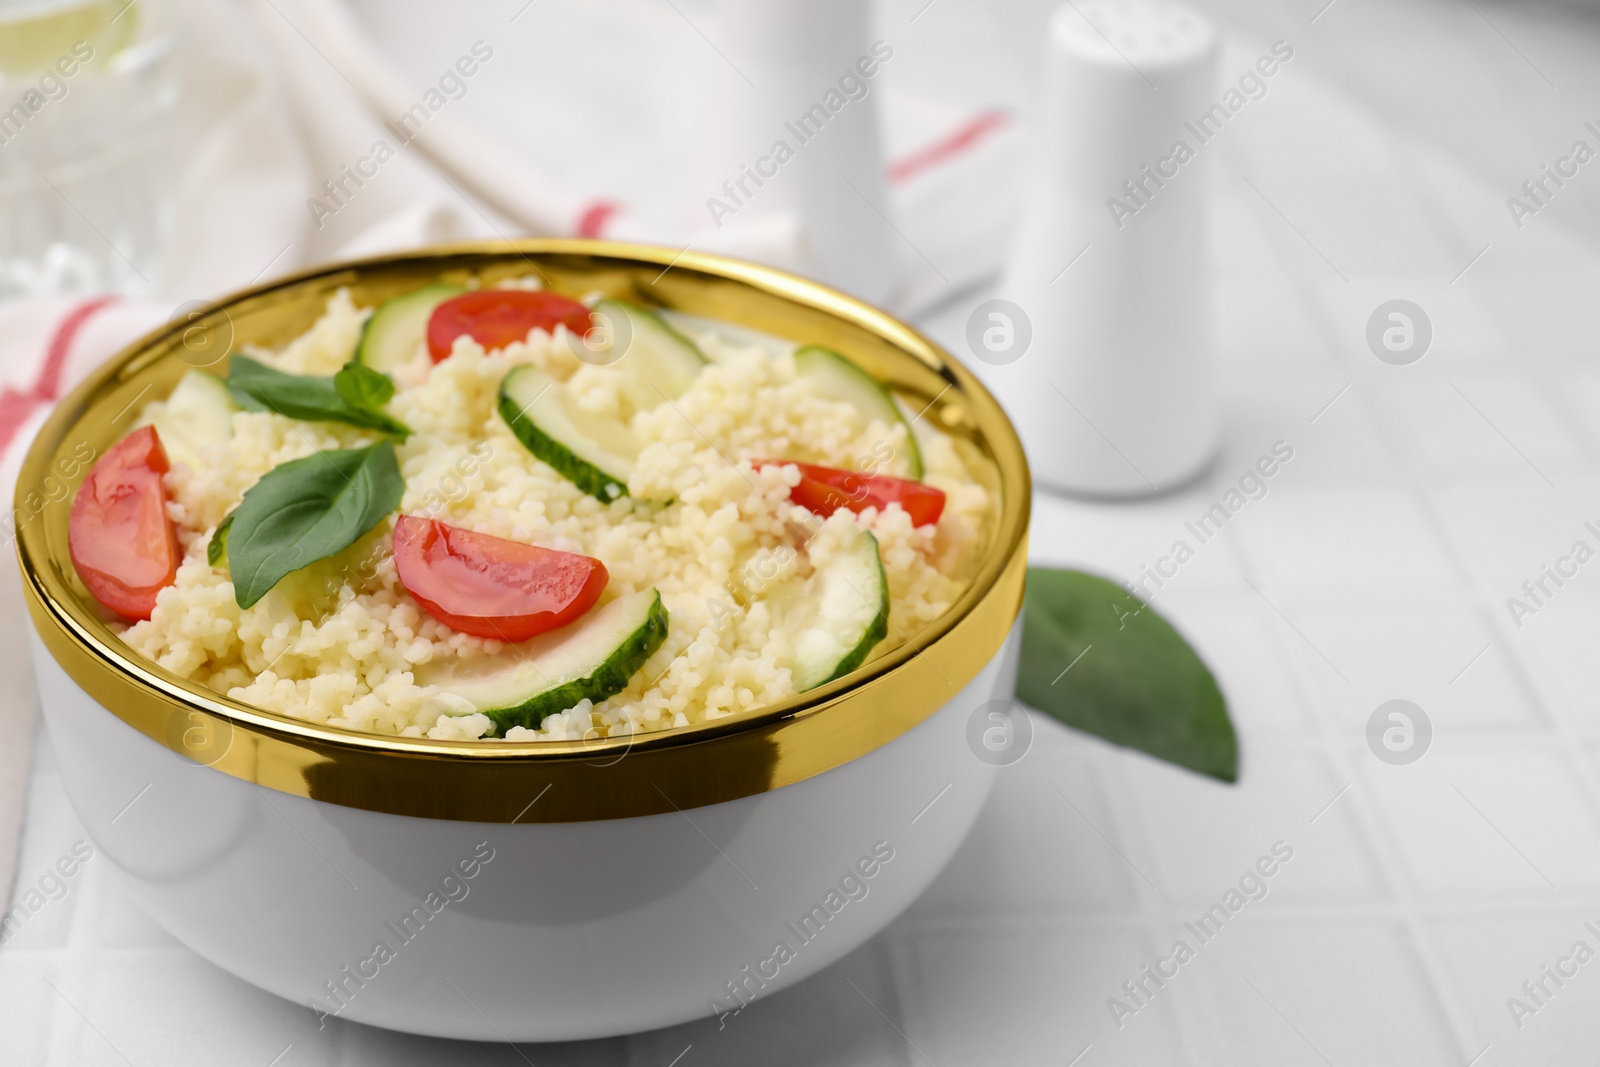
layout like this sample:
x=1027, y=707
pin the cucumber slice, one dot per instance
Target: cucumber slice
x=592, y=659
x=836, y=378
x=217, y=547
x=198, y=413
x=593, y=452
x=393, y=336
x=837, y=616
x=659, y=362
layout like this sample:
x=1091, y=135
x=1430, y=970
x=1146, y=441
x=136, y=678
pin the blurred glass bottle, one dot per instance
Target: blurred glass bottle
x=87, y=94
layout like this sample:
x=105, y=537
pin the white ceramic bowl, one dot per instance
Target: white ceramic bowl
x=534, y=891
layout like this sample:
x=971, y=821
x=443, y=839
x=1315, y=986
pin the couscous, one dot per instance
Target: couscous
x=503, y=513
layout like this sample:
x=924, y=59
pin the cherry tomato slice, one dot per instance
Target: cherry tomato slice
x=490, y=587
x=498, y=317
x=824, y=490
x=121, y=541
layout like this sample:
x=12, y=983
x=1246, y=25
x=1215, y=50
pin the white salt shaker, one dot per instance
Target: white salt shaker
x=803, y=135
x=1116, y=393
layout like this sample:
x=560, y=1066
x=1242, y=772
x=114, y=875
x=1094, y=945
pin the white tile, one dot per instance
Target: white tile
x=51, y=831
x=1263, y=318
x=1236, y=635
x=1478, y=423
x=1187, y=540
x=1582, y=394
x=1205, y=835
x=1303, y=199
x=1308, y=131
x=1487, y=959
x=1124, y=541
x=1465, y=331
x=114, y=919
x=365, y=1046
x=170, y=1006
x=849, y=1014
x=1243, y=252
x=1263, y=321
x=1375, y=241
x=1508, y=528
x=52, y=825
x=1324, y=417
x=1448, y=661
x=47, y=904
x=1510, y=821
x=1558, y=641
x=1553, y=314
x=1344, y=991
x=1039, y=992
x=1374, y=539
x=1031, y=853
x=25, y=1037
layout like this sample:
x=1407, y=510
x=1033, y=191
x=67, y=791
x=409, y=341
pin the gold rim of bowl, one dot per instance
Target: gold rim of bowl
x=541, y=781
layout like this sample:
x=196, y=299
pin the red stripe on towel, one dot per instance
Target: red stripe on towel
x=593, y=219
x=17, y=406
x=592, y=222
x=962, y=139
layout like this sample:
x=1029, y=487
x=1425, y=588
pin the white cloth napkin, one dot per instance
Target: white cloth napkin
x=280, y=95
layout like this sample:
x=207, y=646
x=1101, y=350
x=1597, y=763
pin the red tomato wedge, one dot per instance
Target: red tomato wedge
x=498, y=317
x=124, y=546
x=490, y=587
x=824, y=490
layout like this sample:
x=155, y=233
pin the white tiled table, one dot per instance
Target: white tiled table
x=1419, y=898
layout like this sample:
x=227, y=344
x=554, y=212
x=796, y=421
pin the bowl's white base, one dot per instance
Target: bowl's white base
x=562, y=931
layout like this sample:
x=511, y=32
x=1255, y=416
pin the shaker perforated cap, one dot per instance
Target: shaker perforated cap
x=1138, y=34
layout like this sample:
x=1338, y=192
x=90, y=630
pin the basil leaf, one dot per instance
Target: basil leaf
x=217, y=547
x=308, y=509
x=258, y=387
x=362, y=387
x=1099, y=659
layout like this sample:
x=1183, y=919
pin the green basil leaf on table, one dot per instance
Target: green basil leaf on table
x=1098, y=658
x=351, y=398
x=308, y=509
